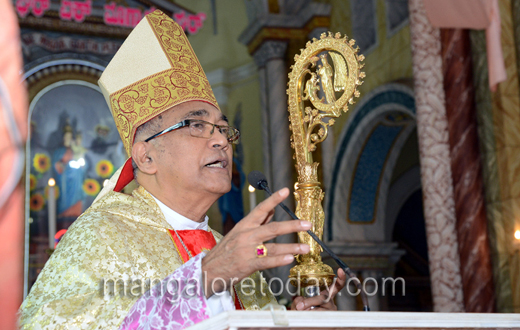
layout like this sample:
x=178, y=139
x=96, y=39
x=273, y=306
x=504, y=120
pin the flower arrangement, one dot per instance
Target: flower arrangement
x=41, y=162
x=91, y=187
x=104, y=168
x=36, y=202
x=33, y=181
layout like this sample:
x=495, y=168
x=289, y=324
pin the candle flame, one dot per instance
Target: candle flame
x=251, y=188
x=52, y=182
x=517, y=234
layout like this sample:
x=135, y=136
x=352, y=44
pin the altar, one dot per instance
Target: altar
x=235, y=320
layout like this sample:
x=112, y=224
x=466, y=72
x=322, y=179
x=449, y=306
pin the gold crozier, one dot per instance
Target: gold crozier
x=317, y=94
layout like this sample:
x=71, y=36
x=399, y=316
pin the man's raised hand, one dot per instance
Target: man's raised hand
x=235, y=257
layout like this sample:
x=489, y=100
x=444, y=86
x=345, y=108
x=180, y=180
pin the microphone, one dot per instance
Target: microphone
x=259, y=181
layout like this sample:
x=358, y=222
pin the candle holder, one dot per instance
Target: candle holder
x=51, y=208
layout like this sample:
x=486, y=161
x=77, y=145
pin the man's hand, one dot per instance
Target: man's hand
x=235, y=258
x=324, y=301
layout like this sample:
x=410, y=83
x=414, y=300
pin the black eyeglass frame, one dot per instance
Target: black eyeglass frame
x=233, y=139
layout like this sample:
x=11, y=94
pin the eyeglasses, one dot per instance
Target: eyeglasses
x=202, y=129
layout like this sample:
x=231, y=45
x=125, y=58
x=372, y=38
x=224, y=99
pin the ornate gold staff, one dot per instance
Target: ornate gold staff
x=307, y=112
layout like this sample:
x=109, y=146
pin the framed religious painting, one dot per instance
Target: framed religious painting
x=73, y=148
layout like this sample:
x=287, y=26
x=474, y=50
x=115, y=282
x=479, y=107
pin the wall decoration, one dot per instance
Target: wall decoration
x=113, y=14
x=74, y=141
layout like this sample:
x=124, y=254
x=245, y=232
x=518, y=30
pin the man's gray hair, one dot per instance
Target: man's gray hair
x=143, y=132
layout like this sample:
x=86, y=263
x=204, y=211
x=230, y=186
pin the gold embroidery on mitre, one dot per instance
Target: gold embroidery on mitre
x=185, y=81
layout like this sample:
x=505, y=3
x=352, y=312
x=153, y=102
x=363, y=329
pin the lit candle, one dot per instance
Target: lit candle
x=517, y=234
x=51, y=207
x=252, y=198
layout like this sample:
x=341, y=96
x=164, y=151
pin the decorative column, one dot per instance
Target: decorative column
x=273, y=79
x=260, y=61
x=500, y=144
x=506, y=122
x=432, y=130
x=488, y=147
x=472, y=229
x=278, y=163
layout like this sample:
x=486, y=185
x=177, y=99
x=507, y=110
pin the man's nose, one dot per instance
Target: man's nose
x=218, y=139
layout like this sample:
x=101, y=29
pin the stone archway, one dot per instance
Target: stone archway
x=366, y=154
x=359, y=187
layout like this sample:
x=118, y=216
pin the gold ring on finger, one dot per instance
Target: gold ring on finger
x=261, y=251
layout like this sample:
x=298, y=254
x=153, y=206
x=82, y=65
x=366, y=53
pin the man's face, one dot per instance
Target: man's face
x=191, y=164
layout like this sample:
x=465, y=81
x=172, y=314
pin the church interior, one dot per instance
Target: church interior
x=419, y=175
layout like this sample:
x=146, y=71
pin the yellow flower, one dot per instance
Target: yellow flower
x=36, y=202
x=41, y=163
x=91, y=187
x=32, y=182
x=104, y=168
x=56, y=192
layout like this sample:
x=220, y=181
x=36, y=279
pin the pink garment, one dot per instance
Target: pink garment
x=473, y=14
x=11, y=201
x=171, y=304
x=496, y=67
x=463, y=14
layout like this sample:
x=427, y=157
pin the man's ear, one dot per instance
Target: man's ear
x=142, y=156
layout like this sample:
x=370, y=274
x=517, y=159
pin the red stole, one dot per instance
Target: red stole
x=196, y=241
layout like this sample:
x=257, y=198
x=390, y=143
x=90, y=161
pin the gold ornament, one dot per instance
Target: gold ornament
x=317, y=91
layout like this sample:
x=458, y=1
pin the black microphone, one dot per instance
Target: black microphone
x=258, y=181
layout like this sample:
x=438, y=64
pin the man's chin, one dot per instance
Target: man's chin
x=225, y=190
x=221, y=189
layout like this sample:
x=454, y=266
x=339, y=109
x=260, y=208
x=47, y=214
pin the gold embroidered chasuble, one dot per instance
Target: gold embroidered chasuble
x=120, y=237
